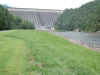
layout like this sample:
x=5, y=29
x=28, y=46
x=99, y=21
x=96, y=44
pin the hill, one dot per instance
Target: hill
x=85, y=18
x=41, y=53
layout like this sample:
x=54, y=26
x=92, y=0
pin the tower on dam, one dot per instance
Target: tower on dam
x=43, y=19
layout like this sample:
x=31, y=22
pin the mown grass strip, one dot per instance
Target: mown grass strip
x=13, y=60
x=52, y=55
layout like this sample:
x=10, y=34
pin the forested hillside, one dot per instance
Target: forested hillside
x=85, y=18
x=8, y=21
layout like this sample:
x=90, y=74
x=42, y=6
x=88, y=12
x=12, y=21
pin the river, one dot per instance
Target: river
x=92, y=40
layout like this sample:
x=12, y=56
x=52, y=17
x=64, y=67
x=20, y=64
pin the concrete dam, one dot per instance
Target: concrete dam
x=43, y=19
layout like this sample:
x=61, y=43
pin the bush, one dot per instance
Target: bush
x=26, y=25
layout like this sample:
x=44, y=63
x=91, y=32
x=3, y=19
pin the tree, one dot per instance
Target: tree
x=8, y=21
x=85, y=18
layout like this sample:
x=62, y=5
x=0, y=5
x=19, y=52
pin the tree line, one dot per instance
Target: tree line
x=8, y=21
x=86, y=18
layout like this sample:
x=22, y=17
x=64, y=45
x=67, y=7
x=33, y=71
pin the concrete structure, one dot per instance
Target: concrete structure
x=43, y=19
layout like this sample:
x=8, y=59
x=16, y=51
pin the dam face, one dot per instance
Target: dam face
x=43, y=19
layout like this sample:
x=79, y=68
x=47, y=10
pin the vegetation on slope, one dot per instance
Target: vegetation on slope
x=41, y=53
x=85, y=18
x=8, y=21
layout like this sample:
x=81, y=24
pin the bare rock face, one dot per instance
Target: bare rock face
x=43, y=19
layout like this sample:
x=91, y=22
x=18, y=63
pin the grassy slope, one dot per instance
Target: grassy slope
x=39, y=53
x=13, y=59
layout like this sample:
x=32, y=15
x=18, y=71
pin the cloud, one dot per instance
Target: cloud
x=45, y=4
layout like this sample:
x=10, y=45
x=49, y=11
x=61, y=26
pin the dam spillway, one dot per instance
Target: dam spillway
x=41, y=18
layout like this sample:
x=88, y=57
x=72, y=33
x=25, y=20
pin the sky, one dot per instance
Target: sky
x=45, y=4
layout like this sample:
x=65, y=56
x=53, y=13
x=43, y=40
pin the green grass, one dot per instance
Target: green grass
x=27, y=52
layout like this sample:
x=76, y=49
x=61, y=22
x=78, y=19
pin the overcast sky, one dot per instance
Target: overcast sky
x=45, y=4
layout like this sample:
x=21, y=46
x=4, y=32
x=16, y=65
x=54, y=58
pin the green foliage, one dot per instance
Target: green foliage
x=20, y=24
x=8, y=21
x=27, y=25
x=85, y=18
x=5, y=18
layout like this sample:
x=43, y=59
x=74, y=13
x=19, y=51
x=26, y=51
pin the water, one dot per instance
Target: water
x=92, y=40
